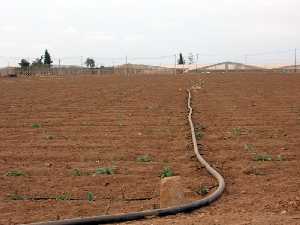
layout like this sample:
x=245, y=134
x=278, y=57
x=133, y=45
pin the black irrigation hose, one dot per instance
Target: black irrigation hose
x=156, y=212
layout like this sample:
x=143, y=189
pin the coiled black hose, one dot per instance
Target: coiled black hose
x=156, y=212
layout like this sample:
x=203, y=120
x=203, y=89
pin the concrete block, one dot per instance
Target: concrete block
x=171, y=192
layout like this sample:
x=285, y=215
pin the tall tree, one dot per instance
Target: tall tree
x=181, y=60
x=90, y=63
x=24, y=64
x=47, y=58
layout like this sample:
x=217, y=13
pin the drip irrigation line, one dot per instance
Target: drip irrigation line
x=156, y=212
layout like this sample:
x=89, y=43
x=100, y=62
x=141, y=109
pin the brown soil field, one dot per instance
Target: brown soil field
x=56, y=131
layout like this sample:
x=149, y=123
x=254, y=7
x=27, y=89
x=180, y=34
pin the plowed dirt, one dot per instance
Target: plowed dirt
x=59, y=130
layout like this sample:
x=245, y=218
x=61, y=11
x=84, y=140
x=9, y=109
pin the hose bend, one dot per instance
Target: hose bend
x=156, y=212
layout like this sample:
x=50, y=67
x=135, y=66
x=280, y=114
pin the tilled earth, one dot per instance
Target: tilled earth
x=55, y=133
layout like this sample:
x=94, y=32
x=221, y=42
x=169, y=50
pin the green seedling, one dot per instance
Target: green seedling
x=167, y=172
x=105, y=171
x=17, y=197
x=254, y=171
x=36, y=125
x=203, y=191
x=90, y=197
x=64, y=197
x=279, y=158
x=77, y=173
x=236, y=132
x=15, y=173
x=50, y=137
x=144, y=158
x=262, y=158
x=199, y=132
x=249, y=147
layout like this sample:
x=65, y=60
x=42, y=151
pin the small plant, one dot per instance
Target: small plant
x=199, y=132
x=64, y=197
x=203, y=191
x=262, y=158
x=15, y=173
x=50, y=137
x=167, y=172
x=254, y=171
x=77, y=173
x=236, y=132
x=90, y=197
x=279, y=158
x=249, y=147
x=36, y=125
x=105, y=171
x=16, y=197
x=144, y=158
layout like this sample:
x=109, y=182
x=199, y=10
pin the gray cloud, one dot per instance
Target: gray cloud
x=228, y=29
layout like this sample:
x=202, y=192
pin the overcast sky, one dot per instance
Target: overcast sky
x=217, y=29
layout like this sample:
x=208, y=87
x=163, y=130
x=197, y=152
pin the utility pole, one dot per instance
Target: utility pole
x=126, y=66
x=175, y=72
x=59, y=69
x=295, y=60
x=197, y=58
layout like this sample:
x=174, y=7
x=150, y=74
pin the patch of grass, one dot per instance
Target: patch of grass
x=15, y=173
x=36, y=126
x=144, y=158
x=167, y=172
x=63, y=197
x=262, y=158
x=90, y=197
x=236, y=132
x=105, y=171
x=203, y=190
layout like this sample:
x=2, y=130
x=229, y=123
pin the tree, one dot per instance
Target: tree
x=191, y=58
x=90, y=63
x=38, y=62
x=47, y=58
x=24, y=64
x=181, y=60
